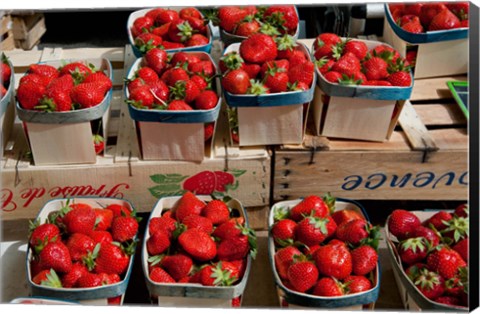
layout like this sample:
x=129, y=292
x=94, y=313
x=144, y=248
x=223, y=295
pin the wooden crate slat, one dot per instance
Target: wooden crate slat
x=433, y=88
x=441, y=114
x=451, y=139
x=28, y=30
x=415, y=130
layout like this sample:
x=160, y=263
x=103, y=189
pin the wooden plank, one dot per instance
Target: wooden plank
x=23, y=24
x=433, y=88
x=441, y=114
x=387, y=175
x=415, y=130
x=33, y=36
x=451, y=139
x=8, y=42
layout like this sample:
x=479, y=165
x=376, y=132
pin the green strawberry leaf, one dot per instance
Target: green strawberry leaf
x=165, y=190
x=237, y=173
x=167, y=178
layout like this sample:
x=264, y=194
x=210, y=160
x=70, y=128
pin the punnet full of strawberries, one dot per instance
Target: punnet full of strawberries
x=198, y=242
x=247, y=20
x=83, y=246
x=266, y=65
x=170, y=29
x=348, y=61
x=422, y=17
x=434, y=252
x=5, y=72
x=75, y=85
x=322, y=251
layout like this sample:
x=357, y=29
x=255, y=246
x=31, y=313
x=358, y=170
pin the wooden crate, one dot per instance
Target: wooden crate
x=120, y=172
x=28, y=29
x=7, y=42
x=425, y=159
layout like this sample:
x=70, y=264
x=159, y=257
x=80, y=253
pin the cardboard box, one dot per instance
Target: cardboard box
x=357, y=112
x=185, y=138
x=293, y=299
x=102, y=295
x=188, y=294
x=66, y=137
x=439, y=53
x=134, y=15
x=269, y=119
x=7, y=108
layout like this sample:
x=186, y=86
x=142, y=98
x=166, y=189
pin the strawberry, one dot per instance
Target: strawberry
x=43, y=234
x=230, y=16
x=208, y=131
x=180, y=31
x=164, y=223
x=90, y=280
x=198, y=222
x=202, y=183
x=78, y=70
x=284, y=17
x=63, y=83
x=413, y=271
x=181, y=57
x=147, y=74
x=385, y=52
x=141, y=97
x=414, y=26
x=283, y=232
x=201, y=82
x=79, y=245
x=175, y=75
x=187, y=205
x=47, y=277
x=146, y=41
x=328, y=287
x=347, y=64
x=456, y=230
x=258, y=48
x=431, y=236
x=134, y=84
x=224, y=180
x=36, y=79
x=178, y=266
x=333, y=77
x=178, y=105
x=413, y=250
x=354, y=231
x=124, y=228
x=101, y=79
x=252, y=69
x=79, y=218
x=206, y=100
x=234, y=248
x=199, y=27
x=248, y=26
x=448, y=300
x=217, y=211
x=357, y=47
x=158, y=242
x=356, y=284
x=166, y=16
x=29, y=95
x=320, y=207
x=285, y=46
x=439, y=221
x=236, y=82
x=55, y=100
x=119, y=210
x=197, y=40
x=445, y=261
x=302, y=275
x=204, y=68
x=230, y=61
x=144, y=23
x=315, y=230
x=400, y=78
x=284, y=258
x=302, y=73
x=88, y=94
x=375, y=68
x=429, y=11
x=187, y=91
x=44, y=70
x=189, y=12
x=345, y=215
x=111, y=260
x=326, y=38
x=70, y=279
x=219, y=274
x=99, y=236
x=460, y=9
x=230, y=229
x=461, y=210
x=364, y=260
x=276, y=80
x=430, y=284
x=280, y=64
x=56, y=255
x=5, y=72
x=156, y=59
x=333, y=261
x=445, y=19
x=171, y=45
x=377, y=83
x=159, y=275
x=402, y=222
x=198, y=244
x=326, y=51
x=462, y=248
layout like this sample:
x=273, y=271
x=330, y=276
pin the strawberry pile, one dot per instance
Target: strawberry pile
x=248, y=20
x=5, y=72
x=323, y=252
x=350, y=62
x=182, y=81
x=169, y=29
x=266, y=65
x=424, y=17
x=73, y=86
x=434, y=253
x=80, y=246
x=199, y=242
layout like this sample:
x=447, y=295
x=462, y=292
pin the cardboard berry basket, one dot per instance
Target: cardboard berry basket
x=42, y=301
x=185, y=129
x=271, y=119
x=347, y=111
x=293, y=299
x=439, y=53
x=67, y=133
x=190, y=294
x=87, y=296
x=7, y=108
x=229, y=38
x=412, y=298
x=134, y=15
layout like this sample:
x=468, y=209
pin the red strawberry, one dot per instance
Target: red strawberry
x=414, y=9
x=55, y=100
x=284, y=17
x=326, y=38
x=402, y=222
x=429, y=11
x=36, y=79
x=35, y=266
x=200, y=81
x=208, y=131
x=189, y=12
x=124, y=228
x=119, y=210
x=198, y=244
x=206, y=100
x=148, y=75
x=164, y=223
x=426, y=233
x=111, y=260
x=197, y=40
x=448, y=300
x=230, y=16
x=146, y=41
x=413, y=271
x=44, y=70
x=297, y=58
x=375, y=68
x=302, y=275
x=314, y=203
x=445, y=19
x=236, y=82
x=180, y=31
x=158, y=242
x=198, y=222
x=364, y=260
x=283, y=232
x=276, y=80
x=258, y=48
x=302, y=73
x=104, y=217
x=5, y=71
x=187, y=91
x=99, y=236
x=56, y=255
x=461, y=210
x=445, y=261
x=181, y=57
x=328, y=287
x=430, y=284
x=141, y=97
x=217, y=211
x=178, y=266
x=248, y=26
x=333, y=261
x=462, y=248
x=166, y=16
x=71, y=279
x=230, y=61
x=178, y=105
x=357, y=47
x=156, y=59
x=413, y=250
x=324, y=65
x=252, y=69
x=460, y=9
x=414, y=26
x=63, y=83
x=234, y=248
x=77, y=69
x=204, y=68
x=135, y=83
x=325, y=51
x=187, y=205
x=88, y=94
x=42, y=235
x=219, y=274
x=230, y=229
x=143, y=24
x=99, y=78
x=284, y=258
x=348, y=64
x=80, y=218
x=159, y=275
x=175, y=75
x=203, y=183
x=333, y=77
x=356, y=284
x=29, y=95
x=345, y=215
x=377, y=83
x=160, y=92
x=90, y=280
x=315, y=230
x=171, y=45
x=285, y=46
x=439, y=220
x=353, y=231
x=47, y=277
x=79, y=245
x=400, y=78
